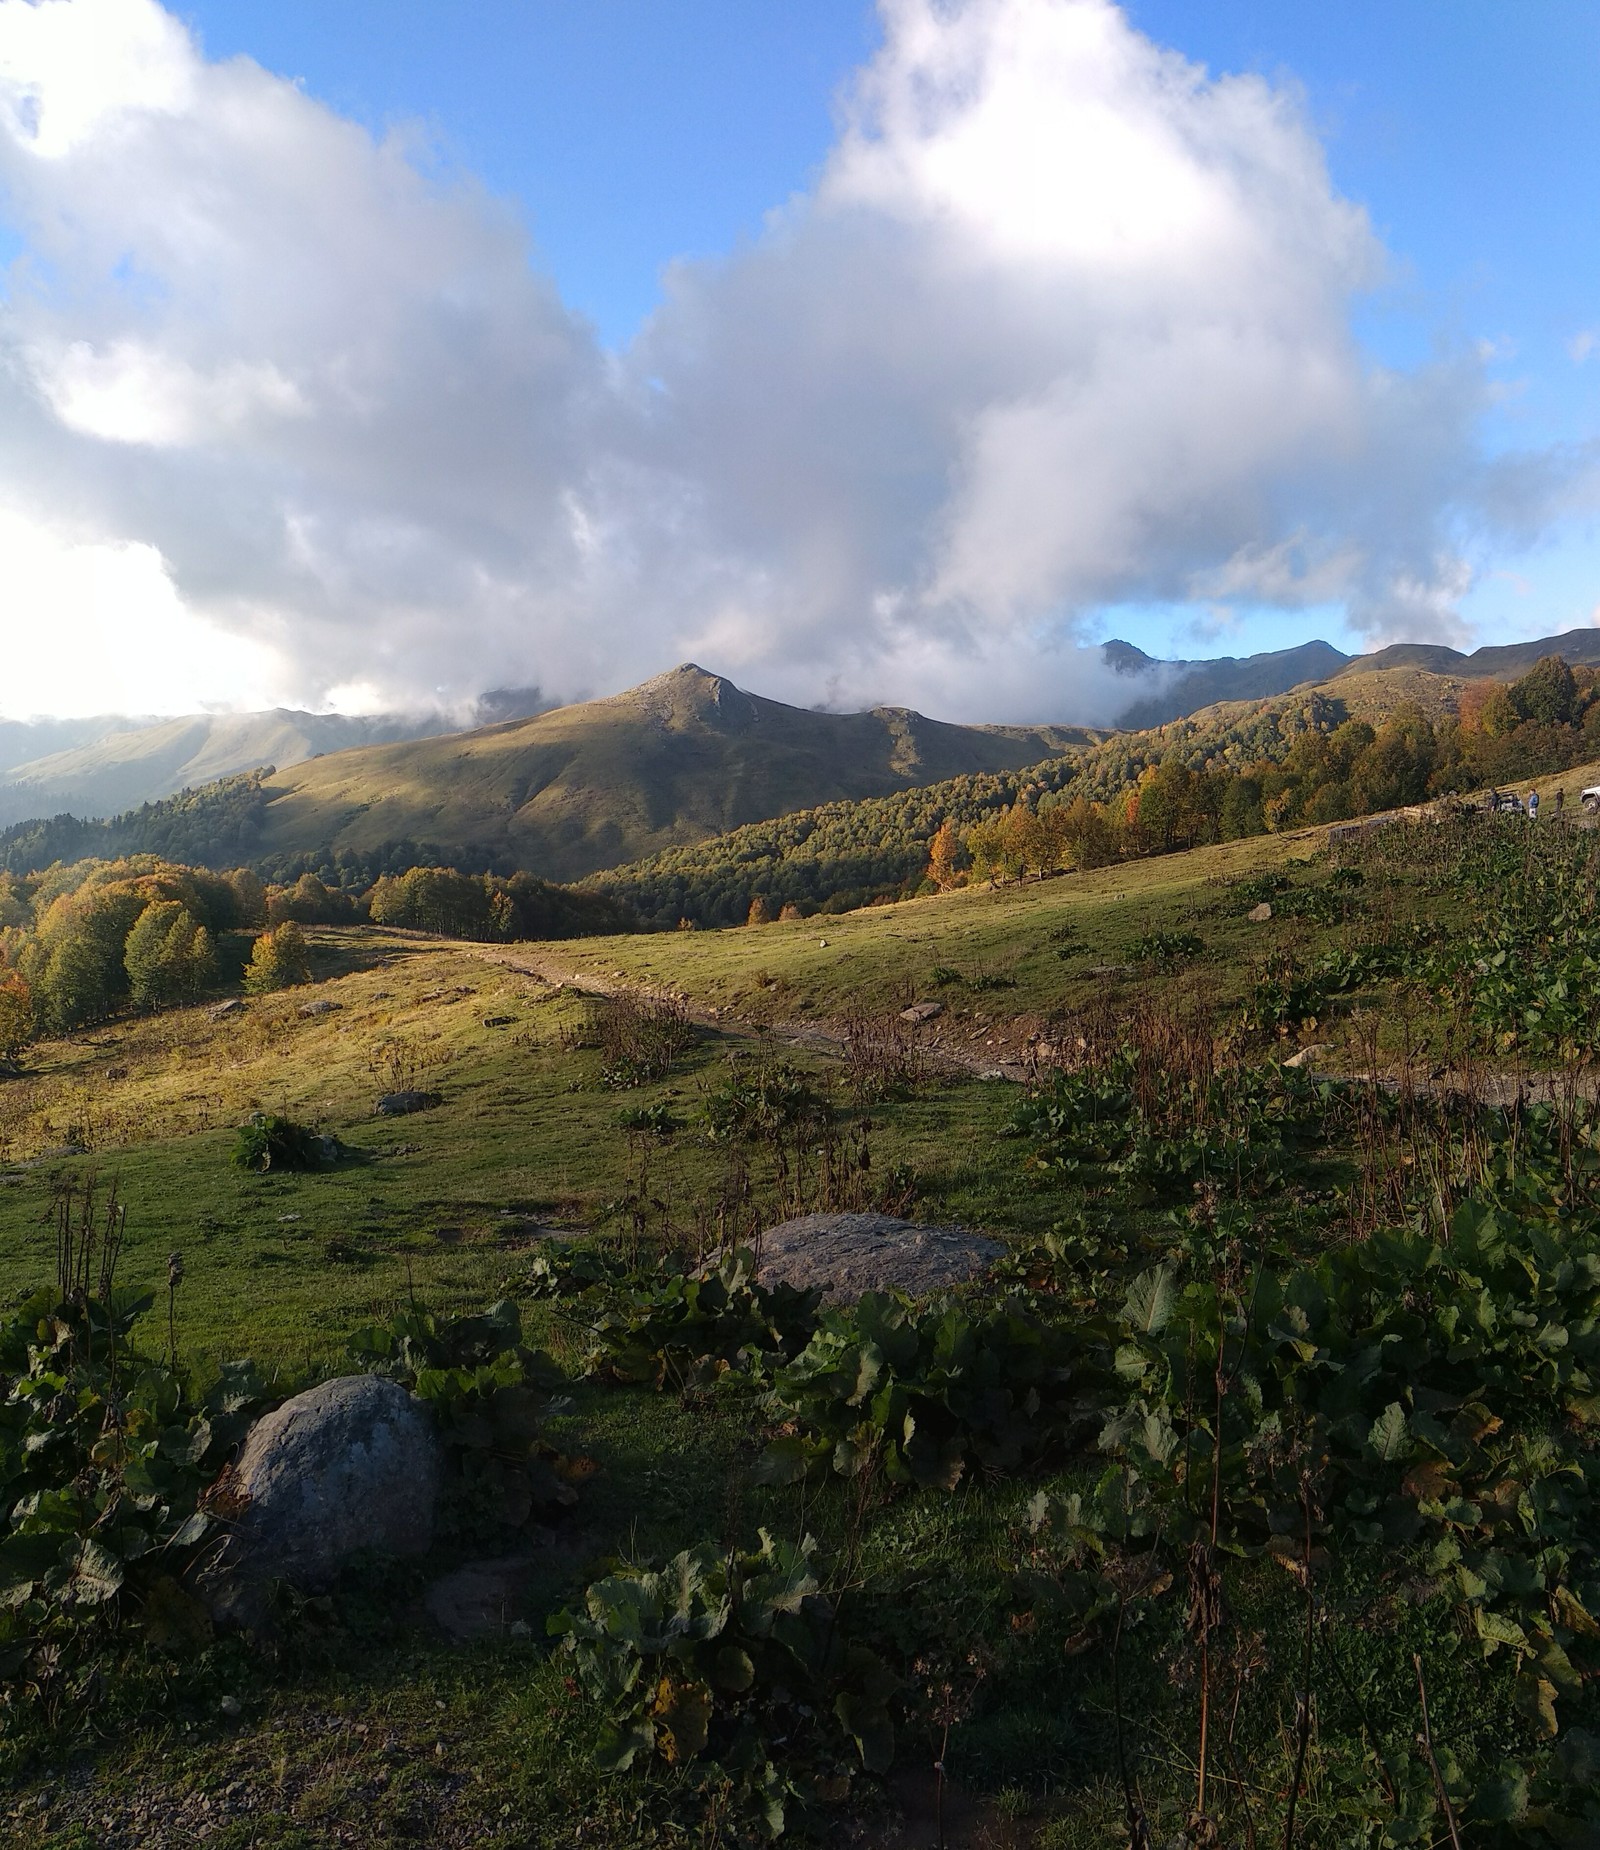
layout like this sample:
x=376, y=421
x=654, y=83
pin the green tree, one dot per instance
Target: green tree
x=168, y=956
x=16, y=1016
x=278, y=960
x=1547, y=693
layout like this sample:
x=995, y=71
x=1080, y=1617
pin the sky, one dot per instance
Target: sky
x=370, y=355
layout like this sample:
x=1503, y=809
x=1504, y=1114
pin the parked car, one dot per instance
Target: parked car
x=1591, y=798
x=1508, y=803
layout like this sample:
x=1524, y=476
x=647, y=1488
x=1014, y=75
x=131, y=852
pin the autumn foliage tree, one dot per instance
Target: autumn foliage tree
x=943, y=856
x=278, y=960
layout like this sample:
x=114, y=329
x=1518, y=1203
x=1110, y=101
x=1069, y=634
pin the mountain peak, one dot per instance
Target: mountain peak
x=689, y=695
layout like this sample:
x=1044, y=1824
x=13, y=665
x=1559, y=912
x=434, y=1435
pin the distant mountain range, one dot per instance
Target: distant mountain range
x=567, y=791
x=1177, y=689
x=101, y=767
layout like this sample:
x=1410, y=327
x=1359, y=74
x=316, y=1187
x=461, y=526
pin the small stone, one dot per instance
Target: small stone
x=1258, y=915
x=922, y=1011
x=498, y=1021
x=1309, y=1056
x=231, y=1706
x=322, y=1006
x=233, y=1006
x=822, y=944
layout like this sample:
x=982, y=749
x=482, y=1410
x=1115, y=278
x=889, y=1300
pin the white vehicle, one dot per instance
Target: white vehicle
x=1590, y=798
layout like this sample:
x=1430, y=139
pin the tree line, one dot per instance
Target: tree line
x=83, y=941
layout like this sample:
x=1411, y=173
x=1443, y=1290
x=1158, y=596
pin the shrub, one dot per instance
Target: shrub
x=492, y=1399
x=276, y=1143
x=735, y=1668
x=105, y=1453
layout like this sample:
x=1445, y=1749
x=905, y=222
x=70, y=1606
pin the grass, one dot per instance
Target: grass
x=367, y=1726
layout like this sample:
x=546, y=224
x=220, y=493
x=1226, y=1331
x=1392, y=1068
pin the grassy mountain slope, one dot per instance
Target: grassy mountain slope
x=683, y=757
x=123, y=764
x=1495, y=661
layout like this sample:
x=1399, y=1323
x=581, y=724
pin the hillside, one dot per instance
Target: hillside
x=1292, y=1269
x=102, y=767
x=685, y=756
x=839, y=855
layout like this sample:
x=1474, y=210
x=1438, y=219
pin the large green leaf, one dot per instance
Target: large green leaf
x=1151, y=1300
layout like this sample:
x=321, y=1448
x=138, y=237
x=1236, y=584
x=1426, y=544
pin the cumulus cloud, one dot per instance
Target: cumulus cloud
x=1064, y=322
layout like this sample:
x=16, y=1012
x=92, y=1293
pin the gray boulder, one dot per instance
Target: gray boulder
x=353, y=1464
x=845, y=1255
x=402, y=1104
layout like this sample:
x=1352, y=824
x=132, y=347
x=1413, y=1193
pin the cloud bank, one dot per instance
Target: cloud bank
x=1063, y=322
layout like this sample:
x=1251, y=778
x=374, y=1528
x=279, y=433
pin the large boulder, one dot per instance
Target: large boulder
x=351, y=1465
x=845, y=1255
x=402, y=1104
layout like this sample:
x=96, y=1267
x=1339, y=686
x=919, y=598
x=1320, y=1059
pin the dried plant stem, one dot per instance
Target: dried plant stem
x=1426, y=1739
x=1303, y=1717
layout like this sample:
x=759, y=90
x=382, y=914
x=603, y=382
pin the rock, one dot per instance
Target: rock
x=482, y=1598
x=498, y=1021
x=402, y=1104
x=233, y=1006
x=232, y=1707
x=1258, y=915
x=922, y=1011
x=847, y=1254
x=351, y=1465
x=322, y=1006
x=1308, y=1056
x=822, y=944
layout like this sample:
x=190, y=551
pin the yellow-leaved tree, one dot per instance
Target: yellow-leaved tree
x=278, y=960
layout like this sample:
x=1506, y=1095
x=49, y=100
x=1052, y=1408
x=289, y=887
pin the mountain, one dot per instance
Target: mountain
x=682, y=757
x=1168, y=690
x=104, y=766
x=1162, y=691
x=22, y=740
x=1496, y=661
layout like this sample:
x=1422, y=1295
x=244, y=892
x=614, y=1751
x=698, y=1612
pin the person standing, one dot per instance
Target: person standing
x=1561, y=801
x=1533, y=806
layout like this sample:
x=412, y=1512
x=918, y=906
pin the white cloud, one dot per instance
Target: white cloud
x=96, y=628
x=1064, y=322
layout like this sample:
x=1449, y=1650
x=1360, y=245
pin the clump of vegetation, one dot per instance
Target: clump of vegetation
x=921, y=1394
x=493, y=1399
x=736, y=1669
x=679, y=1325
x=106, y=1450
x=272, y=1142
x=1165, y=946
x=639, y=1038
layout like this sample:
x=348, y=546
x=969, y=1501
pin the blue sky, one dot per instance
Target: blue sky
x=630, y=137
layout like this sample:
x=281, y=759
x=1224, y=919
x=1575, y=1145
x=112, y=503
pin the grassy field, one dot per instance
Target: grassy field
x=364, y=1725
